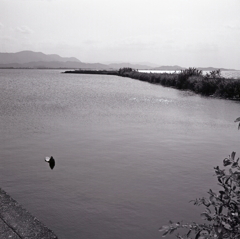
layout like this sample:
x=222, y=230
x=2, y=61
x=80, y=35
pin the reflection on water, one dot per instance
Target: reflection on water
x=130, y=155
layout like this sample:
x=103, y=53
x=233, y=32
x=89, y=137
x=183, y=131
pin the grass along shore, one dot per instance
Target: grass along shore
x=211, y=84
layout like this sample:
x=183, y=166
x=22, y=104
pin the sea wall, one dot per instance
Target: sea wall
x=16, y=222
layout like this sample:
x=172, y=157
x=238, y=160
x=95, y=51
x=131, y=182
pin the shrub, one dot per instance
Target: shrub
x=191, y=71
x=123, y=71
x=191, y=79
x=185, y=74
x=222, y=209
x=214, y=74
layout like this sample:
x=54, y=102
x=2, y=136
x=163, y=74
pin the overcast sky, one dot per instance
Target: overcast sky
x=165, y=32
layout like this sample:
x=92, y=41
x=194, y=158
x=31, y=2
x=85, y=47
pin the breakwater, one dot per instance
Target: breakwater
x=16, y=222
x=212, y=84
x=93, y=72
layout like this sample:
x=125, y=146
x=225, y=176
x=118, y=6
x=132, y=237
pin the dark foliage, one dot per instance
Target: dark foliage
x=211, y=84
x=222, y=208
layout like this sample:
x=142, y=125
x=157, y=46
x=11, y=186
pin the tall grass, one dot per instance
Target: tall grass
x=212, y=84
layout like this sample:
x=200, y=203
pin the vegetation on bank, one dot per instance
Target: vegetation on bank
x=222, y=208
x=211, y=84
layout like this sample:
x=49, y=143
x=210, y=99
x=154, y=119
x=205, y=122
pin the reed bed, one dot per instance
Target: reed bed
x=211, y=84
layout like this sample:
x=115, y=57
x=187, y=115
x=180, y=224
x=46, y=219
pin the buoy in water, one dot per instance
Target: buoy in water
x=51, y=161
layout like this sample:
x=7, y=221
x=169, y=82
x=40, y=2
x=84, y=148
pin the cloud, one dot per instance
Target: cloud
x=1, y=25
x=24, y=30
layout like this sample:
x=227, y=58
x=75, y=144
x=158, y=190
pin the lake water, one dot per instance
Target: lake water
x=129, y=155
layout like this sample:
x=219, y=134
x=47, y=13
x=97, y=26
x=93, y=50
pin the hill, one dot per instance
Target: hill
x=130, y=65
x=30, y=59
x=30, y=56
x=168, y=68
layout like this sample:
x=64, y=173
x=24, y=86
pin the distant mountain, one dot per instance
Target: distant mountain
x=139, y=65
x=134, y=66
x=213, y=69
x=30, y=56
x=168, y=68
x=30, y=59
x=55, y=65
x=178, y=68
x=150, y=64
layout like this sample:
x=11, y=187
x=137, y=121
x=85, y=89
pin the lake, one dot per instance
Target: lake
x=130, y=155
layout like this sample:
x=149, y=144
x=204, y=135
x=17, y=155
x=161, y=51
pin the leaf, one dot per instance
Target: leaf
x=226, y=162
x=219, y=229
x=163, y=228
x=234, y=165
x=179, y=237
x=165, y=233
x=172, y=230
x=197, y=235
x=226, y=225
x=205, y=216
x=189, y=232
x=205, y=202
x=219, y=180
x=233, y=155
x=211, y=192
x=212, y=199
x=220, y=209
x=238, y=119
x=208, y=210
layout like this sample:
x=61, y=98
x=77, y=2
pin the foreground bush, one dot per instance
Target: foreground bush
x=222, y=208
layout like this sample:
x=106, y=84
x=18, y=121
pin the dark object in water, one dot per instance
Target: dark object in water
x=51, y=161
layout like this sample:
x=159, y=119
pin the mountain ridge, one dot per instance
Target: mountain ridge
x=23, y=57
x=31, y=59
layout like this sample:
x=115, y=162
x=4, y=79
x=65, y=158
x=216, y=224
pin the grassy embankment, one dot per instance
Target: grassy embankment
x=212, y=84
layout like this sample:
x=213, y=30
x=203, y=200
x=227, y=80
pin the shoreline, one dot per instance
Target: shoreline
x=191, y=79
x=93, y=72
x=16, y=222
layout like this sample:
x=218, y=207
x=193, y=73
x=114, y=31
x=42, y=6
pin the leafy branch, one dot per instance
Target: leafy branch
x=222, y=208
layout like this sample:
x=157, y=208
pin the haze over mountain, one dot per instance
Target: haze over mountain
x=131, y=65
x=169, y=68
x=30, y=59
x=30, y=56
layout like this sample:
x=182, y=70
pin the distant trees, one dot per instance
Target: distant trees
x=124, y=71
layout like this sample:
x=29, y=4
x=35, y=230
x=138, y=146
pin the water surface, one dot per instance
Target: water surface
x=129, y=155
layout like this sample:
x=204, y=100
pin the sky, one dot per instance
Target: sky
x=188, y=33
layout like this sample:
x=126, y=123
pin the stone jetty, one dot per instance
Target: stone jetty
x=16, y=222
